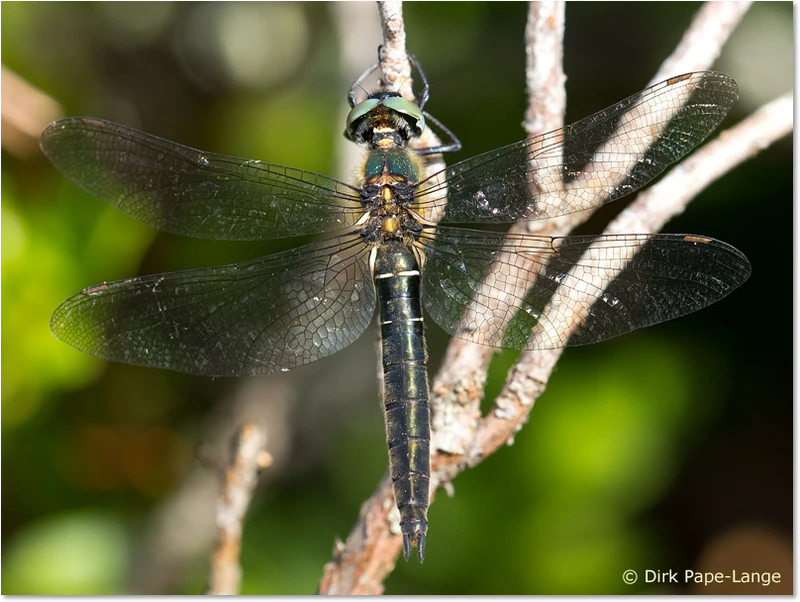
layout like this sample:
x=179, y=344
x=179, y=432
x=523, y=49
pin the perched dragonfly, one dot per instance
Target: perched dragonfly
x=393, y=245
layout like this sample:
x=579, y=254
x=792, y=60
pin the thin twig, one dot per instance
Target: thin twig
x=250, y=457
x=395, y=66
x=544, y=68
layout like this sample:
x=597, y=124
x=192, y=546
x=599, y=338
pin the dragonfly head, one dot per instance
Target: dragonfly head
x=384, y=119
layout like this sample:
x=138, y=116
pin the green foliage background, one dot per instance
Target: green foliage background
x=643, y=453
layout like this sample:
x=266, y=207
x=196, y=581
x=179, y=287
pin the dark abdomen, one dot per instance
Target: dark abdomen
x=405, y=383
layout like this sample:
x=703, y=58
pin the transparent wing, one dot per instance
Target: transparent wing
x=186, y=191
x=593, y=161
x=474, y=284
x=274, y=313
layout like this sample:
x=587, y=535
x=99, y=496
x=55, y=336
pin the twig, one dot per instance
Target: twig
x=544, y=68
x=698, y=48
x=395, y=66
x=239, y=483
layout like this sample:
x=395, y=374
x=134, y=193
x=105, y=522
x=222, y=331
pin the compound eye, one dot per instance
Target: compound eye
x=409, y=109
x=357, y=113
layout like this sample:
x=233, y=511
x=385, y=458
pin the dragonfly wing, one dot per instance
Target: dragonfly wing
x=581, y=166
x=186, y=191
x=586, y=289
x=273, y=313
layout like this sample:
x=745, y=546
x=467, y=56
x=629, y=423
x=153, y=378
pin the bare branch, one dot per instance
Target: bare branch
x=183, y=527
x=461, y=437
x=653, y=208
x=239, y=483
x=393, y=57
x=396, y=69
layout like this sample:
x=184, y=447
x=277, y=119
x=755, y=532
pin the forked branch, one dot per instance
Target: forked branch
x=461, y=437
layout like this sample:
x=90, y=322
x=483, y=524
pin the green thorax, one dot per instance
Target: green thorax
x=394, y=161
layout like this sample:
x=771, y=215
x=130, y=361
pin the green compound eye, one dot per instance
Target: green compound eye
x=409, y=109
x=357, y=112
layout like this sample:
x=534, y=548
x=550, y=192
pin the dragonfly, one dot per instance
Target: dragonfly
x=396, y=240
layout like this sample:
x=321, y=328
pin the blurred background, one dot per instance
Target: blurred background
x=670, y=448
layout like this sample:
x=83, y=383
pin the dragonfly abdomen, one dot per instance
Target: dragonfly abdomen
x=405, y=382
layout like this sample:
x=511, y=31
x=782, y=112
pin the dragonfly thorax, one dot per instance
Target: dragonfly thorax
x=390, y=176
